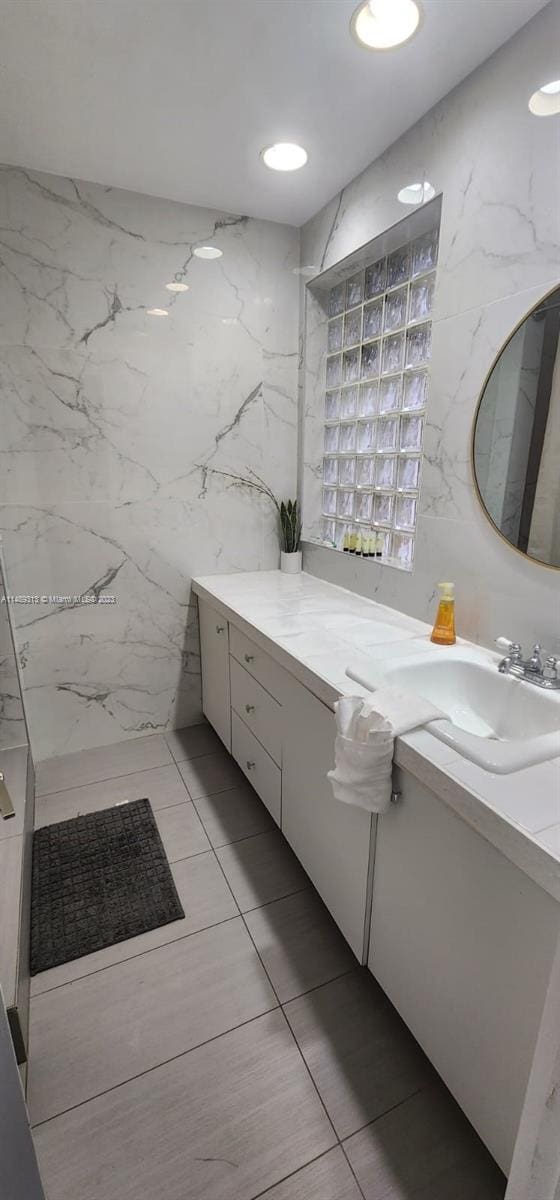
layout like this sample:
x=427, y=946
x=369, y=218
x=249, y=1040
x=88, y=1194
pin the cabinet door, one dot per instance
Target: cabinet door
x=19, y=1174
x=331, y=840
x=214, y=650
x=462, y=942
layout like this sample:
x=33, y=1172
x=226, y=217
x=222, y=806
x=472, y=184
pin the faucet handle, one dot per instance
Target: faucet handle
x=535, y=661
x=550, y=669
x=513, y=649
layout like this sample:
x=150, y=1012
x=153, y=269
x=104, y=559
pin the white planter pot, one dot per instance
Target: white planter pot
x=290, y=563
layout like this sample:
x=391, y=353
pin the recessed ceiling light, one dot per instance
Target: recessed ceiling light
x=416, y=193
x=546, y=101
x=307, y=269
x=157, y=312
x=284, y=156
x=208, y=252
x=382, y=24
x=177, y=287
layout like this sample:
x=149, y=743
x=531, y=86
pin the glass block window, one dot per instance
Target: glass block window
x=379, y=339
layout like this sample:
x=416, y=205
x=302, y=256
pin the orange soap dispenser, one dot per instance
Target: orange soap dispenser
x=443, y=633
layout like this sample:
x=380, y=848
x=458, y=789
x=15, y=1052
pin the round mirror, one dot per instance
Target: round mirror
x=516, y=439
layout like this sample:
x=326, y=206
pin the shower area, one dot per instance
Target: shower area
x=16, y=831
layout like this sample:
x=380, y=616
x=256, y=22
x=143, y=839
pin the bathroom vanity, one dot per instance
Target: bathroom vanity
x=453, y=897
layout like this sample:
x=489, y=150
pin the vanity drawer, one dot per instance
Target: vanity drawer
x=257, y=709
x=257, y=663
x=257, y=765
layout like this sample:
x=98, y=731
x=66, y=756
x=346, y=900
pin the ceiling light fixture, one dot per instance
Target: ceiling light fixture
x=546, y=101
x=157, y=312
x=284, y=156
x=307, y=269
x=383, y=24
x=207, y=252
x=416, y=193
x=177, y=287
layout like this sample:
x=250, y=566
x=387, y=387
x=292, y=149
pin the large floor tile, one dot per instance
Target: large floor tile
x=224, y=1122
x=95, y=1033
x=102, y=762
x=424, y=1149
x=359, y=1052
x=299, y=943
x=329, y=1178
x=261, y=869
x=182, y=831
x=192, y=742
x=233, y=815
x=206, y=900
x=162, y=786
x=211, y=773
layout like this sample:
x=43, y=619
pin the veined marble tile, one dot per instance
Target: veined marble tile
x=494, y=164
x=499, y=251
x=129, y=437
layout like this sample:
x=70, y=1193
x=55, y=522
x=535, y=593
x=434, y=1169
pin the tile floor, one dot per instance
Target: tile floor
x=239, y=1052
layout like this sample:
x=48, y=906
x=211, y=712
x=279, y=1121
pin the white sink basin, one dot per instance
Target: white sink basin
x=501, y=723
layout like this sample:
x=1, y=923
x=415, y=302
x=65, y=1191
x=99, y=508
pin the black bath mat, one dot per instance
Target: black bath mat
x=97, y=880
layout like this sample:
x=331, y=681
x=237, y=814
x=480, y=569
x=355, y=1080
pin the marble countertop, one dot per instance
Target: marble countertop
x=315, y=629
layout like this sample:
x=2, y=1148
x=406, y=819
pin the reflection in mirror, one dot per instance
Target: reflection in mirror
x=516, y=447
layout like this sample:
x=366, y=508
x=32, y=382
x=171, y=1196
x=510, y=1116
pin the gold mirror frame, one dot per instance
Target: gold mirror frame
x=538, y=562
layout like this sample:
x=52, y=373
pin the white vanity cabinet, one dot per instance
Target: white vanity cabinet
x=214, y=651
x=331, y=840
x=462, y=942
x=282, y=737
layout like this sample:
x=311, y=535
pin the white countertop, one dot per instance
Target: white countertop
x=314, y=630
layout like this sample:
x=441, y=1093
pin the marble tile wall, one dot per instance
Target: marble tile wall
x=12, y=721
x=113, y=424
x=497, y=169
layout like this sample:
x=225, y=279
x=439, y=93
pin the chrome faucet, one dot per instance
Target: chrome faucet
x=532, y=670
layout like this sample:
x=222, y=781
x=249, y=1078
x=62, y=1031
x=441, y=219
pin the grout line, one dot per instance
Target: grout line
x=199, y=725
x=385, y=1113
x=296, y=1043
x=131, y=957
x=219, y=791
x=272, y=1186
x=284, y=896
x=268, y=903
x=156, y=1067
x=246, y=837
x=109, y=778
x=351, y=1168
x=317, y=986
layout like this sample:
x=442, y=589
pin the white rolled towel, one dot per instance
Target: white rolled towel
x=364, y=744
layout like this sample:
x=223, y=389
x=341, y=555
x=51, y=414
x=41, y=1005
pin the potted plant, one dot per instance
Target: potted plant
x=288, y=513
x=290, y=537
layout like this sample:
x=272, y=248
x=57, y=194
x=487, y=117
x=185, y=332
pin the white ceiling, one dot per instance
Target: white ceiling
x=177, y=97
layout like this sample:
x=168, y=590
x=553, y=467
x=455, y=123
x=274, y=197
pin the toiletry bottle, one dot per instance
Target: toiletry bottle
x=379, y=545
x=443, y=633
x=346, y=544
x=358, y=547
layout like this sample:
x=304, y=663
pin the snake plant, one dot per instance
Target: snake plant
x=290, y=526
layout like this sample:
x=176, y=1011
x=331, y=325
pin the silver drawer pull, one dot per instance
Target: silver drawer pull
x=251, y=765
x=249, y=708
x=6, y=806
x=249, y=657
x=220, y=628
x=395, y=797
